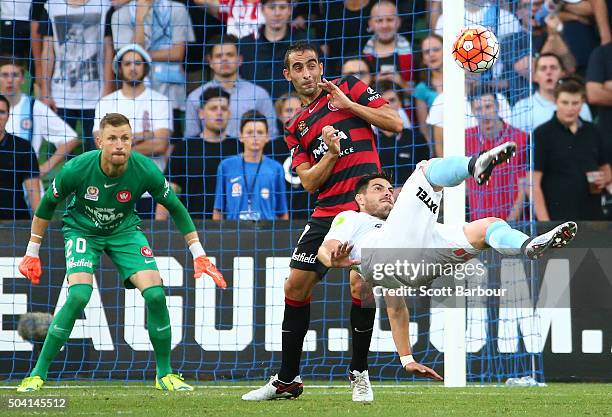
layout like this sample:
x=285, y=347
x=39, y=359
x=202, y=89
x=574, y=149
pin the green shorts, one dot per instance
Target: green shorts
x=129, y=250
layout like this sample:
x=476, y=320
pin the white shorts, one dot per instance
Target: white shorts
x=412, y=223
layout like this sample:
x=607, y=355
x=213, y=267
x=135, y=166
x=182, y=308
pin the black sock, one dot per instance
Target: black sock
x=362, y=325
x=295, y=325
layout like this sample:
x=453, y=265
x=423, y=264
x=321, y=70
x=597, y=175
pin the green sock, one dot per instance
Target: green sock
x=61, y=327
x=158, y=324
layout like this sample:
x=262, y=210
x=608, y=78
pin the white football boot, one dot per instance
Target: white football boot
x=362, y=388
x=555, y=238
x=276, y=389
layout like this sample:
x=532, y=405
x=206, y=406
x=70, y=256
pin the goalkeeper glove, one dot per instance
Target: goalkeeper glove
x=201, y=264
x=30, y=266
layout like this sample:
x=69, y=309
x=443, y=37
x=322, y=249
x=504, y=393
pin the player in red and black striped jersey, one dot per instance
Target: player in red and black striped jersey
x=332, y=146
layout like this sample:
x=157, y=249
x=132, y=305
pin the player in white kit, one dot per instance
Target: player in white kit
x=411, y=222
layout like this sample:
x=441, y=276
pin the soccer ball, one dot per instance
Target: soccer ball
x=476, y=49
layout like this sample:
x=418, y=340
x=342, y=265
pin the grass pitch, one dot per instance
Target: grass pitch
x=406, y=400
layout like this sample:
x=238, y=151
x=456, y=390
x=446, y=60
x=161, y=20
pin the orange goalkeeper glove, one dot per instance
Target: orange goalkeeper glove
x=202, y=264
x=31, y=268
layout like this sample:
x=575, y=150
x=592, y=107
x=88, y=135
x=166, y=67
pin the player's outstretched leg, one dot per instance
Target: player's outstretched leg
x=508, y=241
x=555, y=238
x=59, y=332
x=452, y=171
x=160, y=333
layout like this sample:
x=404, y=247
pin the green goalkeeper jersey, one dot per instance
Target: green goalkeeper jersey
x=104, y=205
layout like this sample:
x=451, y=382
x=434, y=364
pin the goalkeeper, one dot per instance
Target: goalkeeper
x=103, y=186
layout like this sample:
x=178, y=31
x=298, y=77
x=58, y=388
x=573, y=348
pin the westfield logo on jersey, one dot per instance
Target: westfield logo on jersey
x=124, y=196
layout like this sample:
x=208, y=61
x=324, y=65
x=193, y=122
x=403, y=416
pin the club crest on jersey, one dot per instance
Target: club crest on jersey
x=265, y=193
x=236, y=189
x=146, y=251
x=123, y=196
x=302, y=127
x=331, y=107
x=26, y=124
x=92, y=193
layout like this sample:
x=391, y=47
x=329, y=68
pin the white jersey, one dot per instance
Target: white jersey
x=149, y=111
x=360, y=229
x=78, y=43
x=37, y=122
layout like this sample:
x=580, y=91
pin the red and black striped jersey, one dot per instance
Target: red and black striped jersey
x=358, y=155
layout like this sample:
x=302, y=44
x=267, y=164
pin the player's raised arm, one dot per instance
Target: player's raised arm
x=164, y=194
x=381, y=116
x=336, y=254
x=399, y=318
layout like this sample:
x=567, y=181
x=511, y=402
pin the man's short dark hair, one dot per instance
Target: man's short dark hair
x=253, y=116
x=263, y=2
x=364, y=181
x=383, y=86
x=213, y=92
x=8, y=104
x=300, y=47
x=572, y=84
x=548, y=55
x=482, y=90
x=13, y=61
x=227, y=39
x=115, y=120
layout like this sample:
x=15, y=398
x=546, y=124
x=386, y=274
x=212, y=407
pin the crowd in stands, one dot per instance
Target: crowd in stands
x=202, y=84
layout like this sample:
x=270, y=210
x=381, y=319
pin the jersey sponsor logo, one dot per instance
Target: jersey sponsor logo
x=304, y=257
x=373, y=94
x=123, y=196
x=370, y=90
x=146, y=251
x=321, y=150
x=54, y=188
x=103, y=216
x=302, y=127
x=236, y=190
x=427, y=200
x=265, y=193
x=92, y=193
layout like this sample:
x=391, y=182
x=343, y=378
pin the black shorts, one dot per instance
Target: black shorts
x=304, y=256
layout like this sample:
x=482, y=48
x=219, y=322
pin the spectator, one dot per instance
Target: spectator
x=206, y=25
x=263, y=52
x=399, y=152
x=15, y=28
x=599, y=89
x=547, y=71
x=571, y=167
x=33, y=120
x=358, y=68
x=486, y=13
x=241, y=17
x=505, y=195
x=18, y=171
x=163, y=28
x=536, y=38
x=251, y=186
x=148, y=111
x=300, y=205
x=343, y=31
x=225, y=62
x=430, y=80
x=435, y=118
x=193, y=164
x=74, y=53
x=389, y=54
